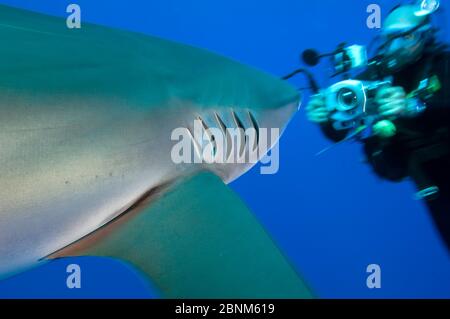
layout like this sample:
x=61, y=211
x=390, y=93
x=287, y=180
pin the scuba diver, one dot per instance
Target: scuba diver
x=410, y=135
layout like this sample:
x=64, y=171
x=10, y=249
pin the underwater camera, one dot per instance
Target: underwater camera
x=350, y=101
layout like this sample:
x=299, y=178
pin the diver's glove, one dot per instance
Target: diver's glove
x=392, y=102
x=316, y=110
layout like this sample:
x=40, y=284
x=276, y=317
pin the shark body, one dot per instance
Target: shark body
x=85, y=123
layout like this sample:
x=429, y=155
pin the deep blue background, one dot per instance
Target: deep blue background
x=330, y=214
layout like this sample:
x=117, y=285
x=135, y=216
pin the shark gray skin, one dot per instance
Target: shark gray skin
x=86, y=118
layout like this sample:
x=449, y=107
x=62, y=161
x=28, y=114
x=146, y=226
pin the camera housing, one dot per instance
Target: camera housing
x=351, y=102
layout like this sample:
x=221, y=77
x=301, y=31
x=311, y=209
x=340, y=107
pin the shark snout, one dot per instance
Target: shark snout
x=233, y=139
x=234, y=134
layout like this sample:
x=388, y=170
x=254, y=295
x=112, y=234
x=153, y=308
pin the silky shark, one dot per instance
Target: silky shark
x=86, y=117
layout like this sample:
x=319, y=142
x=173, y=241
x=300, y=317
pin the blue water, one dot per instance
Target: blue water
x=329, y=214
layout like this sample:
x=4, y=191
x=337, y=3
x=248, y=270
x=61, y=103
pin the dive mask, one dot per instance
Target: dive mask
x=404, y=48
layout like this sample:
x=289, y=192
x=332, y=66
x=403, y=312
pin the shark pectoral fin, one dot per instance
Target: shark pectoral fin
x=199, y=240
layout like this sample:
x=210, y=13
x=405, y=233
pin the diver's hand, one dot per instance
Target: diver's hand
x=391, y=101
x=316, y=109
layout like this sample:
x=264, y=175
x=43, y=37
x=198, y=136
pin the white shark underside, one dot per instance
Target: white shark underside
x=85, y=123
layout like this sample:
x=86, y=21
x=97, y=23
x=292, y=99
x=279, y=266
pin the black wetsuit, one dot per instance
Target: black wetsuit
x=420, y=149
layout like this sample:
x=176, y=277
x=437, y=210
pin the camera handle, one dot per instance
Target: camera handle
x=311, y=81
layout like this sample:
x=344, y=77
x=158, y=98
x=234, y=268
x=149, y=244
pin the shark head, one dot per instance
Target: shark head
x=237, y=119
